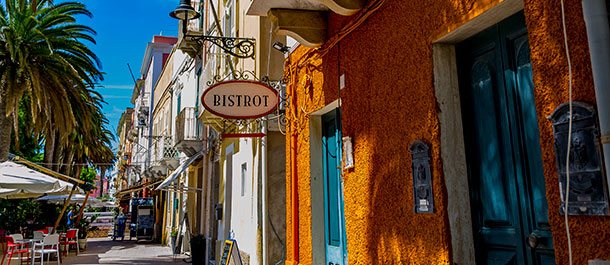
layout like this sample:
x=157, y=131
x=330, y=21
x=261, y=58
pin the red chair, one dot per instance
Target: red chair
x=15, y=249
x=70, y=239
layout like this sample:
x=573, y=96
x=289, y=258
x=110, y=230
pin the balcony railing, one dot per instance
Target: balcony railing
x=164, y=151
x=186, y=125
x=188, y=139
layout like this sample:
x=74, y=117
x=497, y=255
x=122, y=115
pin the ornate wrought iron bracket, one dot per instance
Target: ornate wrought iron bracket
x=238, y=47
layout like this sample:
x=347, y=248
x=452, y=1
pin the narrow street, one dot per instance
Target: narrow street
x=106, y=251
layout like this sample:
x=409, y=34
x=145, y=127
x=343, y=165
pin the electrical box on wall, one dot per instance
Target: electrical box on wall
x=588, y=192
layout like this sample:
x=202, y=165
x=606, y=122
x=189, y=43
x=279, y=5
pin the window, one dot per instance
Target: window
x=211, y=20
x=179, y=102
x=229, y=29
x=201, y=11
x=229, y=25
x=168, y=126
x=243, y=179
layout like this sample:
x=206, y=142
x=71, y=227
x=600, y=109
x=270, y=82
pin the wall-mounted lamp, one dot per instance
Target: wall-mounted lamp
x=281, y=47
x=237, y=47
x=184, y=12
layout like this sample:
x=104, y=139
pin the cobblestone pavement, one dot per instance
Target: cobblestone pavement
x=106, y=251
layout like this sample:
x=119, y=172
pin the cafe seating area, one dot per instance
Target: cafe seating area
x=41, y=246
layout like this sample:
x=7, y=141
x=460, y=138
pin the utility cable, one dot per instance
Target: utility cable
x=570, y=118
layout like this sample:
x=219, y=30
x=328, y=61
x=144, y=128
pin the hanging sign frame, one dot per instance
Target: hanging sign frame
x=240, y=99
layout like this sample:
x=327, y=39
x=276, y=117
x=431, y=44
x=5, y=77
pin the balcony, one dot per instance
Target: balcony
x=132, y=134
x=164, y=153
x=157, y=170
x=188, y=139
x=142, y=108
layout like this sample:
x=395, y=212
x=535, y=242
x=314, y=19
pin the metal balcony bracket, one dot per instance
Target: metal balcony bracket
x=237, y=47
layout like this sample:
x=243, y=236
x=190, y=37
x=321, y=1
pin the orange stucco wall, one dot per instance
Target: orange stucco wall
x=389, y=102
x=589, y=234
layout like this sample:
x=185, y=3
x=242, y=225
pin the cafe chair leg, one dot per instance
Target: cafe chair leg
x=10, y=256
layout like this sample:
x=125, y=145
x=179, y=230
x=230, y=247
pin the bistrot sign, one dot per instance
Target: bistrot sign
x=240, y=99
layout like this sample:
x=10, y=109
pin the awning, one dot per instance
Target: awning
x=182, y=189
x=172, y=177
x=137, y=188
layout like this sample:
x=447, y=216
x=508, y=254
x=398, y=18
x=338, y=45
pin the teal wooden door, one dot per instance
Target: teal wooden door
x=334, y=219
x=507, y=189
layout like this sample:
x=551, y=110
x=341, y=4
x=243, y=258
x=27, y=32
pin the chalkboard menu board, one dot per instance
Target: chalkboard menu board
x=230, y=253
x=227, y=249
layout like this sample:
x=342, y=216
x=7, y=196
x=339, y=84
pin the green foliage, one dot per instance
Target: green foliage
x=84, y=226
x=28, y=210
x=26, y=143
x=88, y=175
x=174, y=232
x=44, y=55
x=48, y=75
x=19, y=213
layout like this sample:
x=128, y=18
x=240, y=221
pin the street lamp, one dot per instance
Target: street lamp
x=238, y=47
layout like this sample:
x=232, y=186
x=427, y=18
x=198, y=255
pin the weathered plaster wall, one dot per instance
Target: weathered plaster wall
x=389, y=101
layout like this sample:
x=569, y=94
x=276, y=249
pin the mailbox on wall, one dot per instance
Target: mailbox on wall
x=422, y=177
x=588, y=190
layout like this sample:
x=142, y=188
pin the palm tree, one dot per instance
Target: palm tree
x=90, y=142
x=43, y=54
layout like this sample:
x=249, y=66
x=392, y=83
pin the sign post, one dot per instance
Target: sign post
x=230, y=253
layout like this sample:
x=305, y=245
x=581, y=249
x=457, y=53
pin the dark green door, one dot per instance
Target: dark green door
x=334, y=219
x=503, y=150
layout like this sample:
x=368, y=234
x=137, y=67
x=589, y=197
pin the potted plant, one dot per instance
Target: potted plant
x=173, y=237
x=84, y=227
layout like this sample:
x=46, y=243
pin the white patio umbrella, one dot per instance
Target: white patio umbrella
x=18, y=181
x=76, y=198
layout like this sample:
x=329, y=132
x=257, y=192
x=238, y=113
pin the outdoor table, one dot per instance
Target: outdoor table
x=30, y=242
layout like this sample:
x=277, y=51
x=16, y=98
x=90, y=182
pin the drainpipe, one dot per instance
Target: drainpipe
x=264, y=189
x=295, y=200
x=595, y=13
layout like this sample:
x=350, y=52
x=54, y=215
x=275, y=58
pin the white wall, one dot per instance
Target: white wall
x=244, y=210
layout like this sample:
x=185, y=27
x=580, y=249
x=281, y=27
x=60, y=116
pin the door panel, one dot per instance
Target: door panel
x=487, y=127
x=502, y=145
x=333, y=190
x=529, y=154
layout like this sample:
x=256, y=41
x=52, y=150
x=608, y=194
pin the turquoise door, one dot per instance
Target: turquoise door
x=334, y=219
x=503, y=150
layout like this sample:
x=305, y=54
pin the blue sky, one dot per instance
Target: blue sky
x=124, y=28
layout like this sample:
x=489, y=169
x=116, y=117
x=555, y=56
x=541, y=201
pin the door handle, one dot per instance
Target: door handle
x=533, y=240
